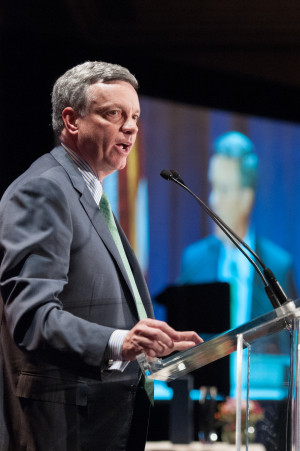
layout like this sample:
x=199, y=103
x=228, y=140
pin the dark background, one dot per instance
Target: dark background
x=234, y=55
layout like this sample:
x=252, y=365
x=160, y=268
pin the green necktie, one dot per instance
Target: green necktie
x=109, y=218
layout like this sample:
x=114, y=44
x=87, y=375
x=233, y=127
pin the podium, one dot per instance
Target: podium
x=240, y=341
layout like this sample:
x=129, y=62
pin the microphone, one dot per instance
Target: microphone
x=273, y=289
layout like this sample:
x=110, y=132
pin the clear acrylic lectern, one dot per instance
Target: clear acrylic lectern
x=241, y=340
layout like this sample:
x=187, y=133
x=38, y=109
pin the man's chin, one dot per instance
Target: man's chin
x=121, y=165
x=115, y=166
x=221, y=235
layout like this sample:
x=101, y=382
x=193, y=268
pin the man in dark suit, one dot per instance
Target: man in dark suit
x=76, y=310
x=233, y=172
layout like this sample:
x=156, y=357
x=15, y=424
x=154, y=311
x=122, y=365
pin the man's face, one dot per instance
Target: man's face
x=228, y=198
x=106, y=134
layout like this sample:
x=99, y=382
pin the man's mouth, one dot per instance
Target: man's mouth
x=124, y=146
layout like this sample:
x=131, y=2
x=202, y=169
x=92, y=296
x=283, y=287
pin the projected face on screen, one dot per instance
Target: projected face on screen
x=228, y=198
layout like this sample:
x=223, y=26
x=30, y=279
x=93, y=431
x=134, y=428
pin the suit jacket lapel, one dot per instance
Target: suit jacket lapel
x=92, y=210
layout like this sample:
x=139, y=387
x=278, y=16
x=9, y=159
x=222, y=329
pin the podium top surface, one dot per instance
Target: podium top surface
x=224, y=344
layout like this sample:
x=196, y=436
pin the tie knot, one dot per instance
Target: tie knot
x=104, y=202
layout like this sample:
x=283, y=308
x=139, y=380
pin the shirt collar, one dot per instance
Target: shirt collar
x=93, y=183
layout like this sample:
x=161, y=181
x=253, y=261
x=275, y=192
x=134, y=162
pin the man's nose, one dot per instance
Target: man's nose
x=130, y=126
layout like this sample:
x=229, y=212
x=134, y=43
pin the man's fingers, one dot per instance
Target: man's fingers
x=161, y=326
x=146, y=339
x=190, y=336
x=156, y=338
x=183, y=345
x=145, y=343
x=153, y=333
x=172, y=333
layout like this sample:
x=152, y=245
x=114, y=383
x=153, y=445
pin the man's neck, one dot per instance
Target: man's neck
x=240, y=230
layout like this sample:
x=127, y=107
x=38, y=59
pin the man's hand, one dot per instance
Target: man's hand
x=156, y=339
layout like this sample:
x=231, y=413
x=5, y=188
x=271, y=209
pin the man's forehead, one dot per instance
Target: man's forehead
x=223, y=168
x=112, y=90
x=224, y=161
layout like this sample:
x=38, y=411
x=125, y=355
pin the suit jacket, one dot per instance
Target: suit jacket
x=65, y=290
x=200, y=265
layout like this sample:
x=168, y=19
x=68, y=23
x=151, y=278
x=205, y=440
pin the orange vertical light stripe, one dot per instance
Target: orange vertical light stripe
x=123, y=201
x=132, y=189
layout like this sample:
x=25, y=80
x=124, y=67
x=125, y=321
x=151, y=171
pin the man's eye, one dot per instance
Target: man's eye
x=114, y=113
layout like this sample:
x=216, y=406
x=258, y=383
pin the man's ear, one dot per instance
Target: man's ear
x=70, y=116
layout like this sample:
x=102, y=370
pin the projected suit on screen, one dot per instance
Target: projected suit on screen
x=233, y=171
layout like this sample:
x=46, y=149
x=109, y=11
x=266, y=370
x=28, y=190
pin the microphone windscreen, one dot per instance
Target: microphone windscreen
x=165, y=174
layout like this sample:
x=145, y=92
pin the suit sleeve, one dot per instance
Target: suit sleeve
x=36, y=238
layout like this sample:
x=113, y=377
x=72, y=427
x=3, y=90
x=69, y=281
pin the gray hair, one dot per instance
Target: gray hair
x=70, y=90
x=237, y=146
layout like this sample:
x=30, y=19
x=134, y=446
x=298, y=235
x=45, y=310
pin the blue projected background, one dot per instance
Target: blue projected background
x=180, y=137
